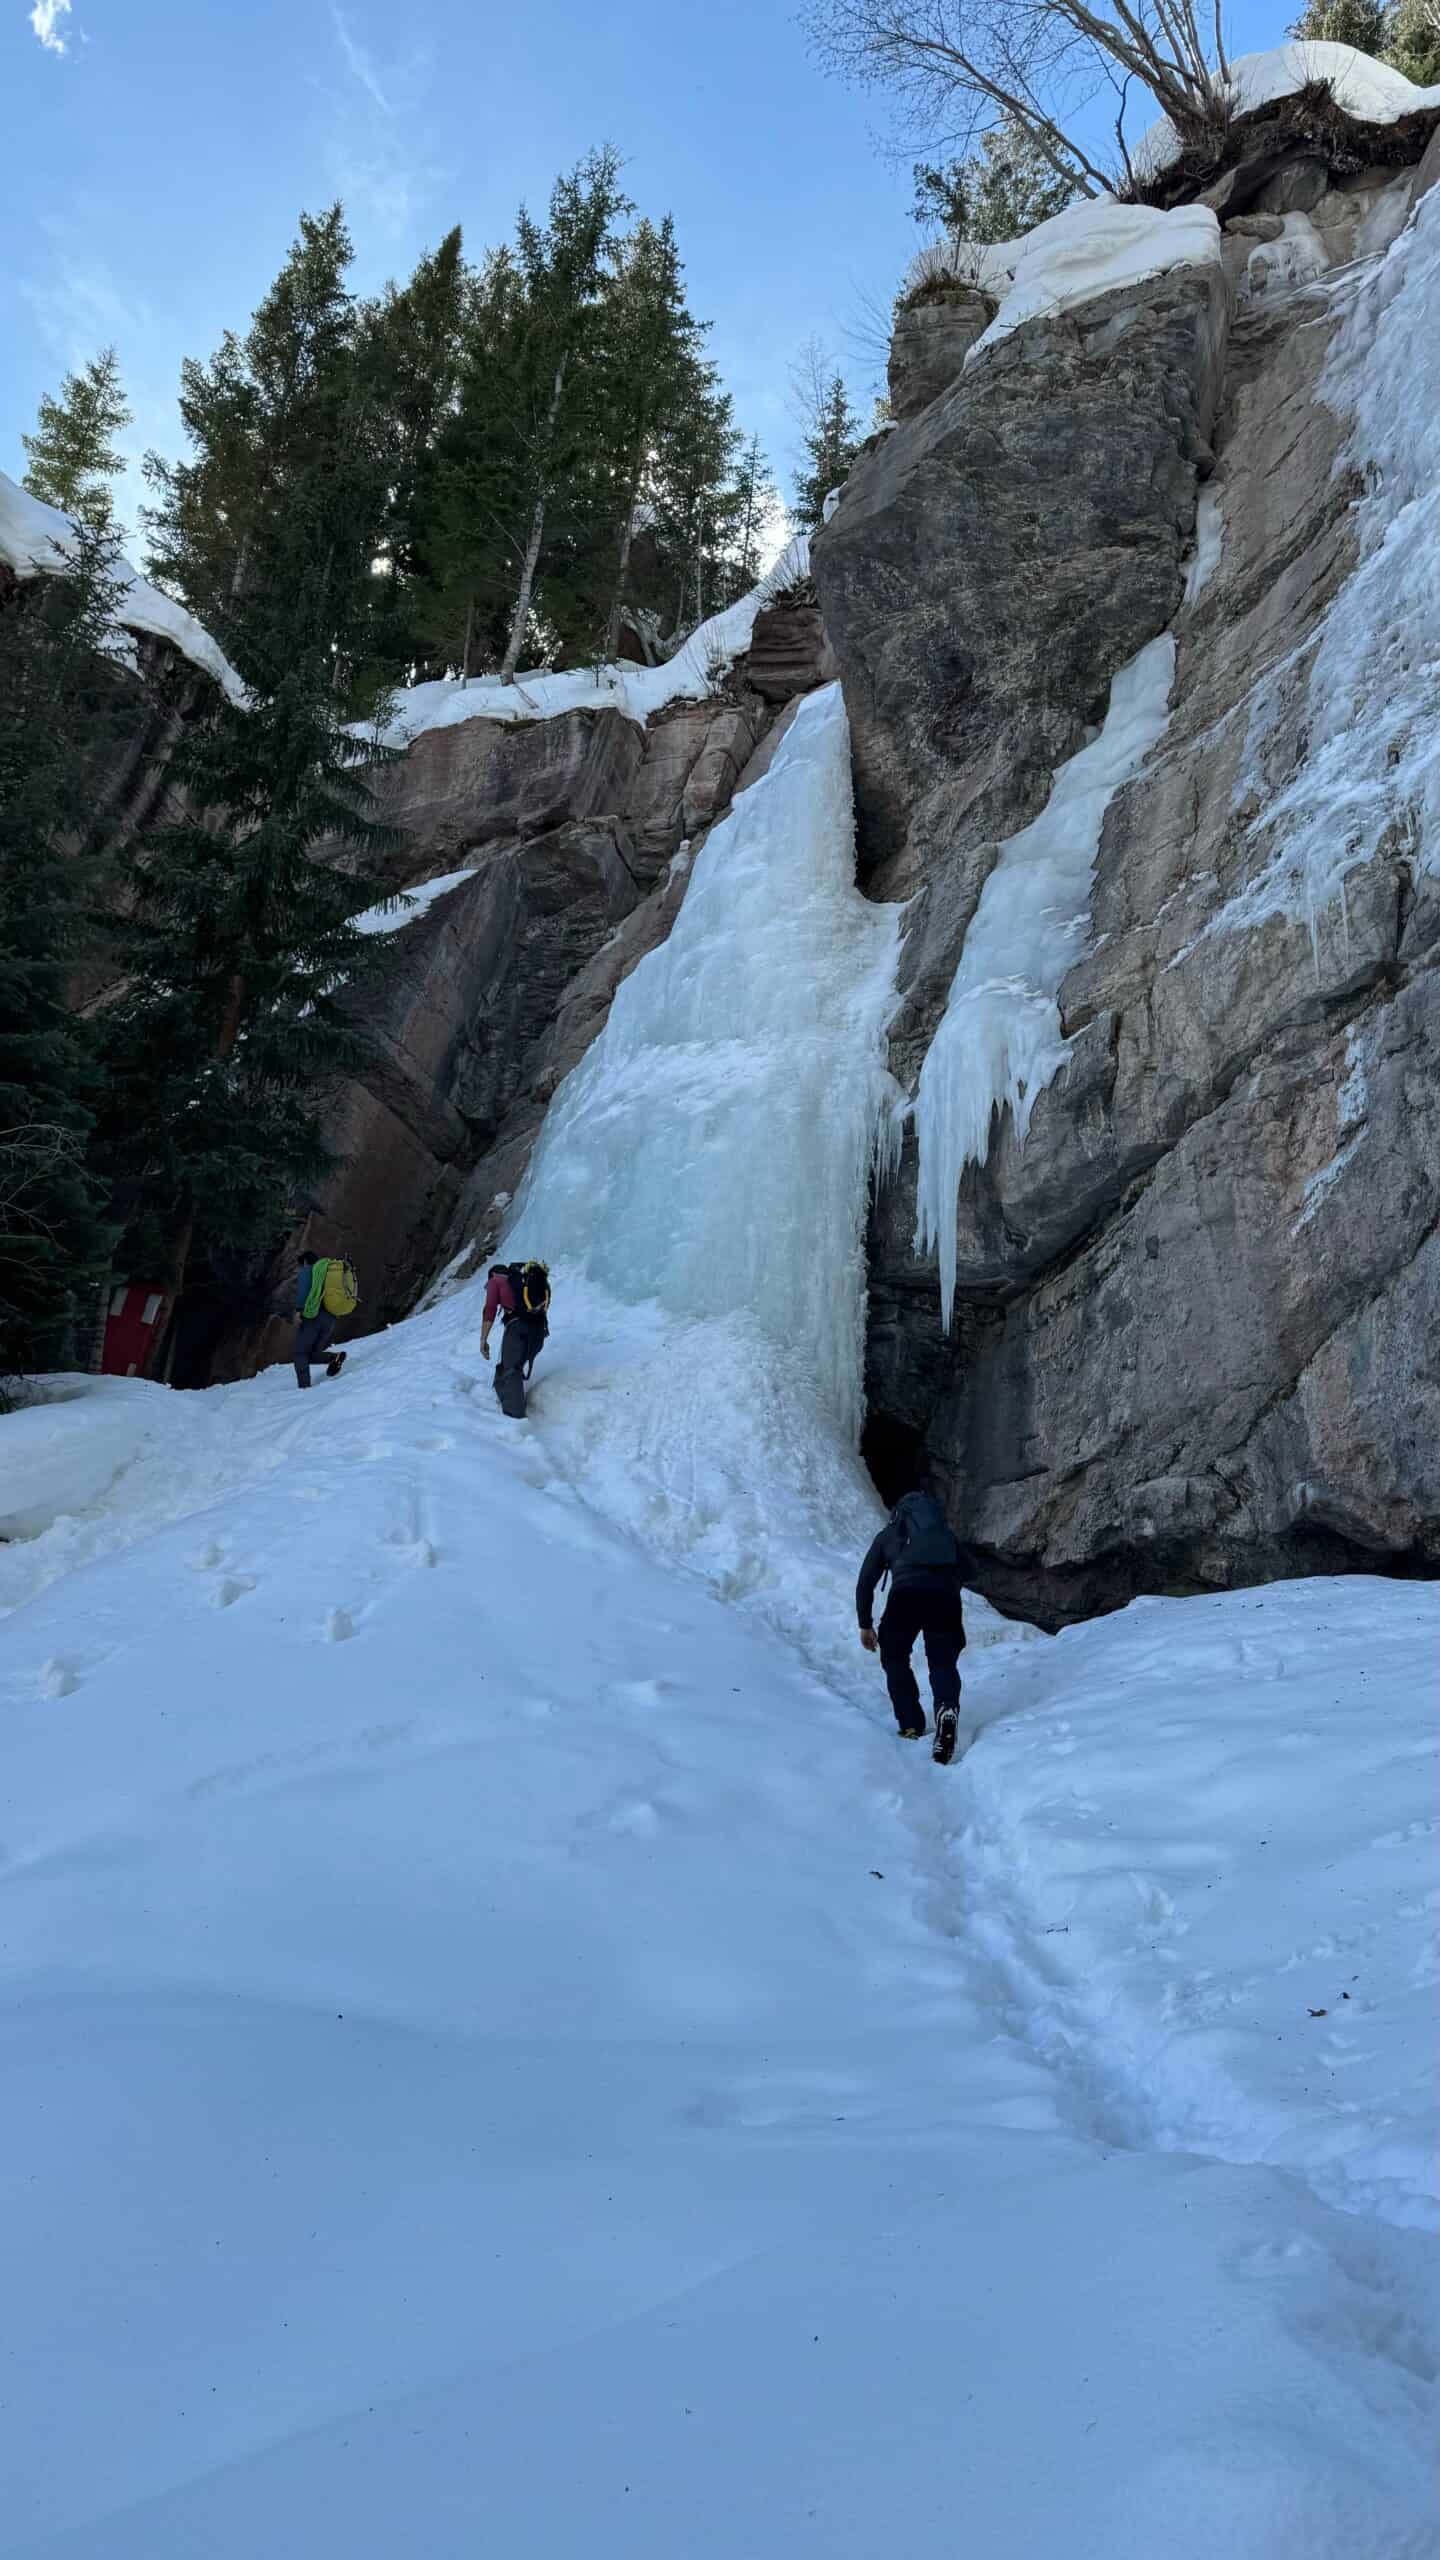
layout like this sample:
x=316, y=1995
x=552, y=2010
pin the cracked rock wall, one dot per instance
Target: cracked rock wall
x=1199, y=1307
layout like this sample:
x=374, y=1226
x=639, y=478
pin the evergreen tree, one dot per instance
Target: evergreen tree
x=560, y=265
x=756, y=501
x=1403, y=32
x=411, y=350
x=831, y=435
x=1360, y=23
x=238, y=942
x=232, y=1030
x=72, y=455
x=1412, y=40
x=471, y=524
x=651, y=381
x=1000, y=192
x=696, y=499
x=288, y=475
x=57, y=700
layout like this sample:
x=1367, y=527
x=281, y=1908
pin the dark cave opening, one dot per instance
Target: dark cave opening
x=894, y=1451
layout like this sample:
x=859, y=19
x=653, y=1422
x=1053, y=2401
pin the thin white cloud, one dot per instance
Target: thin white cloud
x=359, y=63
x=374, y=148
x=45, y=18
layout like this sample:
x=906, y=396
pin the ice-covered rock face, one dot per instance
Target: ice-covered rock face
x=1192, y=1207
x=713, y=1151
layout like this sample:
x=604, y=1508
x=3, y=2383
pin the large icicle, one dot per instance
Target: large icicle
x=1372, y=760
x=712, y=1151
x=999, y=1041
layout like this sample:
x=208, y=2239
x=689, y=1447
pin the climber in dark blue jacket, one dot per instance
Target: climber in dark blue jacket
x=922, y=1559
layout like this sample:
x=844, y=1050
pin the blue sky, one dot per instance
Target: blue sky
x=154, y=167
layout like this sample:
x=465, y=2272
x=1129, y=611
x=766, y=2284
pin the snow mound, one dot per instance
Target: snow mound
x=35, y=540
x=1373, y=92
x=1205, y=1814
x=62, y=1455
x=1000, y=1041
x=1088, y=250
x=456, y=1969
x=635, y=691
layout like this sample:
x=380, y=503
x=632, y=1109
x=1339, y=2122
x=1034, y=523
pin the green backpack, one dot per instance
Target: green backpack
x=334, y=1287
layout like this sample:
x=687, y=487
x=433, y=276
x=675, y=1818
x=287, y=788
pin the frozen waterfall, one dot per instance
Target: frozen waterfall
x=712, y=1151
x=1000, y=1039
x=1372, y=771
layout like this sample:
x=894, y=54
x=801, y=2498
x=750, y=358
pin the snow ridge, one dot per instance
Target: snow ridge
x=636, y=691
x=1373, y=92
x=1088, y=250
x=35, y=540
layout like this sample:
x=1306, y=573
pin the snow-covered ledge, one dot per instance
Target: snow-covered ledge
x=36, y=541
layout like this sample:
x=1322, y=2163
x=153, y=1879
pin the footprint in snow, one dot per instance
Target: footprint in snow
x=414, y=1548
x=210, y=1555
x=58, y=1678
x=644, y=1693
x=339, y=1627
x=232, y=1588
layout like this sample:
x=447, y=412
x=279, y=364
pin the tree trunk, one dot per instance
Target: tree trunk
x=622, y=572
x=516, y=640
x=95, y=1358
x=513, y=645
x=182, y=1235
x=469, y=636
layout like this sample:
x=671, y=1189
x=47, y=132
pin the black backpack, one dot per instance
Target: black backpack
x=929, y=1545
x=530, y=1282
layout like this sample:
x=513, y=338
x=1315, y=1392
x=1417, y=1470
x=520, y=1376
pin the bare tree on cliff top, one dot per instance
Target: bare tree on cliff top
x=958, y=64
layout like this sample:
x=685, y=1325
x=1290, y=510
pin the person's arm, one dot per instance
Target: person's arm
x=302, y=1287
x=877, y=1562
x=498, y=1295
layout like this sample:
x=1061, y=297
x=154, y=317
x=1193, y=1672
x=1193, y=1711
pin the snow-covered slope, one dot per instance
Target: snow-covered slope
x=500, y=2052
x=506, y=2049
x=35, y=538
x=635, y=691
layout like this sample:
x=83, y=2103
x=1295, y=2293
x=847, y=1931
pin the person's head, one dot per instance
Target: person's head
x=307, y=1257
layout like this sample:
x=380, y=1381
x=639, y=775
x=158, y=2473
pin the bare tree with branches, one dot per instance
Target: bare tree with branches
x=958, y=65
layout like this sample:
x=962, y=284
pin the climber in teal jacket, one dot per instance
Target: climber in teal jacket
x=314, y=1332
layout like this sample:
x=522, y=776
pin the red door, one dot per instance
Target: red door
x=136, y=1316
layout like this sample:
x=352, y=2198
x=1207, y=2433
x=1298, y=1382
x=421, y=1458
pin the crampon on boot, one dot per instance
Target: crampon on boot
x=947, y=1725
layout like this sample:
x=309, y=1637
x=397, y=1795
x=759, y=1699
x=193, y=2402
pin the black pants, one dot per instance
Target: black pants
x=918, y=1609
x=520, y=1344
x=312, y=1340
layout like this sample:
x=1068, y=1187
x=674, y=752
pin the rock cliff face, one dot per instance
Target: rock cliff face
x=1197, y=1306
x=575, y=833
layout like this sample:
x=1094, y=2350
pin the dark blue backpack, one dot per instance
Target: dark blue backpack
x=929, y=1545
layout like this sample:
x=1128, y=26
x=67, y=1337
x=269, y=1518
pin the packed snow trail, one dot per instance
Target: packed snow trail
x=458, y=1971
